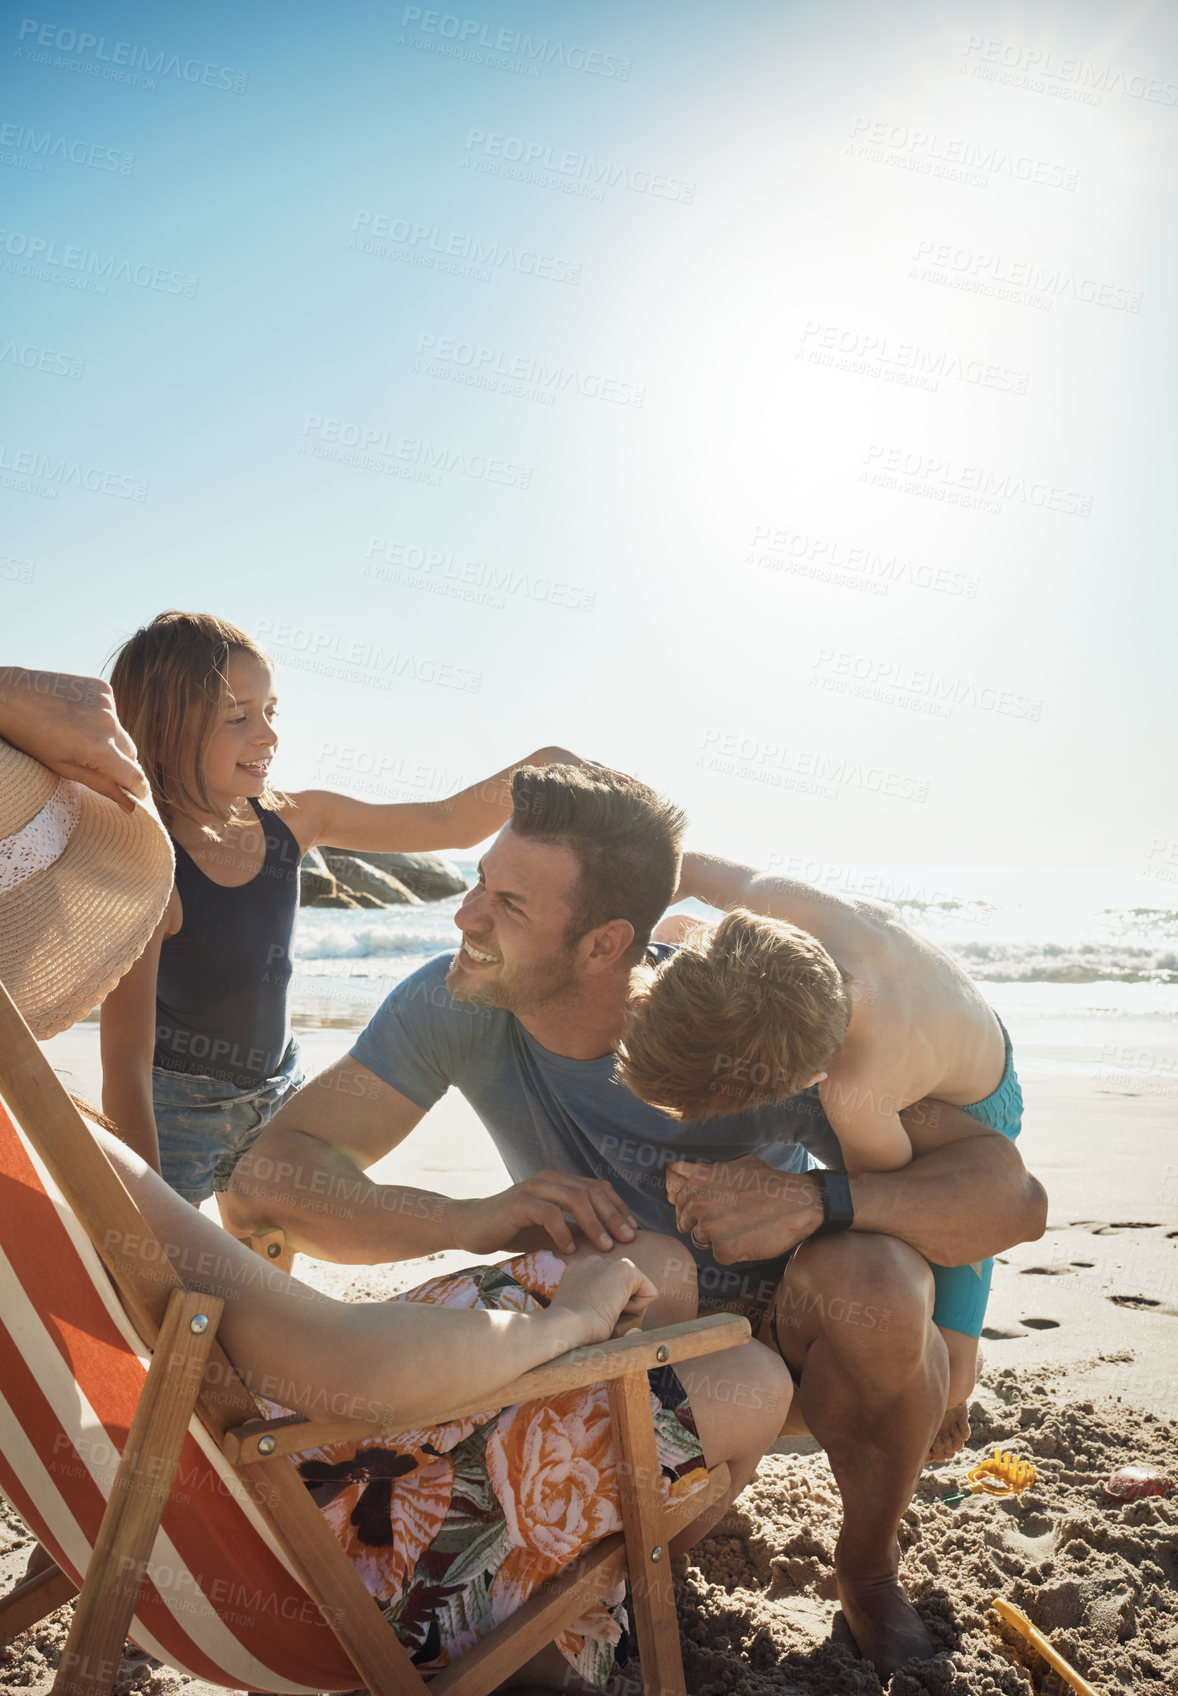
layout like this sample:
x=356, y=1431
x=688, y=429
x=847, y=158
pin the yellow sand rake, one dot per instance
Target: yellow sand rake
x=1005, y=1475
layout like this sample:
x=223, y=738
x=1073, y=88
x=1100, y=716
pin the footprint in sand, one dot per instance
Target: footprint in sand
x=1111, y=1229
x=1105, y=1227
x=1007, y=1333
x=1146, y=1304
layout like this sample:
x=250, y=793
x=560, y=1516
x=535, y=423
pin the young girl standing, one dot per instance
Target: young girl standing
x=197, y=1050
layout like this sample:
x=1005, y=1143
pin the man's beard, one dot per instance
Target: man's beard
x=519, y=989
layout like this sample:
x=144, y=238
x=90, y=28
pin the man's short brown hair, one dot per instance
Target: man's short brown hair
x=741, y=1016
x=625, y=838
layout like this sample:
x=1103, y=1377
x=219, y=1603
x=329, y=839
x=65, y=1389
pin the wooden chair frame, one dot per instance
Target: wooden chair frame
x=181, y=1330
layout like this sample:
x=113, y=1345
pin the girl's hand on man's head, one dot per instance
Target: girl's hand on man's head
x=555, y=756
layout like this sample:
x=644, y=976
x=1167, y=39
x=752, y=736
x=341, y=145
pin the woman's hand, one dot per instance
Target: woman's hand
x=69, y=724
x=594, y=1293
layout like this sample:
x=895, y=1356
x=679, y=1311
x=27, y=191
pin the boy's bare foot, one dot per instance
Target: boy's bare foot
x=886, y=1627
x=953, y=1435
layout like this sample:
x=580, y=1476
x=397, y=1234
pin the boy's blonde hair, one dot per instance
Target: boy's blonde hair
x=169, y=685
x=738, y=1017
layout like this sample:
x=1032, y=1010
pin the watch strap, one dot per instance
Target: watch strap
x=838, y=1212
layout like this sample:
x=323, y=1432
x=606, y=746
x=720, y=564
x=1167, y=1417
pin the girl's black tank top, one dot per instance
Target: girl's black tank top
x=221, y=995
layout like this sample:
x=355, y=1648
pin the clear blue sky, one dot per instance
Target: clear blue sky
x=797, y=287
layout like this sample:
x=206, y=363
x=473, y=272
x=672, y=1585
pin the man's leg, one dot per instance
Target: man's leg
x=854, y=1320
x=739, y=1398
x=669, y=1266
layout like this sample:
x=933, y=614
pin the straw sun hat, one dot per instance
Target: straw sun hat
x=82, y=886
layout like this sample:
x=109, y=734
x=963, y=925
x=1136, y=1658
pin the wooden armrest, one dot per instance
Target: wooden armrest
x=636, y=1351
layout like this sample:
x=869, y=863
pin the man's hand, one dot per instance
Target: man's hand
x=70, y=725
x=495, y=1222
x=743, y=1209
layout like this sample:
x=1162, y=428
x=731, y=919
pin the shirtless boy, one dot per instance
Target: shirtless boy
x=797, y=987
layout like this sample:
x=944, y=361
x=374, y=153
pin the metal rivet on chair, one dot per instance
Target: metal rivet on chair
x=662, y=1354
x=274, y=1250
x=656, y=1554
x=198, y=1324
x=267, y=1445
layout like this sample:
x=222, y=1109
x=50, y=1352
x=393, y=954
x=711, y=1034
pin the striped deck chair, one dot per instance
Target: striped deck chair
x=131, y=1449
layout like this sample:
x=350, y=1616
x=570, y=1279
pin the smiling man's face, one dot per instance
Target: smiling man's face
x=515, y=950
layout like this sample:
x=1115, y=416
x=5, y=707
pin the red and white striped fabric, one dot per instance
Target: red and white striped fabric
x=219, y=1600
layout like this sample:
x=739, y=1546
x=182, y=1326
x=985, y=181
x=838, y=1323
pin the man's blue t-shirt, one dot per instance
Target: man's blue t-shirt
x=545, y=1110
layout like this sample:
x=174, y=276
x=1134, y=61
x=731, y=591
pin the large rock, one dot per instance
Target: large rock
x=316, y=882
x=429, y=876
x=358, y=878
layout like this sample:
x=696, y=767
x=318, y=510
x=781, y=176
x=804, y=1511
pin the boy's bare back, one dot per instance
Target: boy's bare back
x=918, y=1027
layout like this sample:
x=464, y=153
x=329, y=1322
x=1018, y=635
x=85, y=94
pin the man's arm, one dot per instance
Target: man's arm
x=966, y=1195
x=305, y=1176
x=964, y=1198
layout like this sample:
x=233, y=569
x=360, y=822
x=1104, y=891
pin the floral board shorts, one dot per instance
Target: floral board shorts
x=453, y=1528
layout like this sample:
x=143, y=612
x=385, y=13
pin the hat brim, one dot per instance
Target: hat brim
x=70, y=932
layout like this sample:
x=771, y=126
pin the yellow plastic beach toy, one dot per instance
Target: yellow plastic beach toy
x=1005, y=1475
x=1015, y=1616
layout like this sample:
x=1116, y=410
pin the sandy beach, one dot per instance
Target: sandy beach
x=1081, y=1359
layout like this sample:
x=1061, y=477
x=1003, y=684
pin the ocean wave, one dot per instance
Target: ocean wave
x=993, y=944
x=1050, y=962
x=331, y=935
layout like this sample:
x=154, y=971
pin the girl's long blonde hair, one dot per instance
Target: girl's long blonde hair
x=169, y=686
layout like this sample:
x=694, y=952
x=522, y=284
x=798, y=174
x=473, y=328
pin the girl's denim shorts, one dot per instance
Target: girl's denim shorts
x=206, y=1125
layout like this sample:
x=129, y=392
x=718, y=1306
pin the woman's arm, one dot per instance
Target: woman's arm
x=407, y=827
x=128, y=1043
x=397, y=1362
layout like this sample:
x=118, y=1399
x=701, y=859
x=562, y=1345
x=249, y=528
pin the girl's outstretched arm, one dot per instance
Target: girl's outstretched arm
x=407, y=827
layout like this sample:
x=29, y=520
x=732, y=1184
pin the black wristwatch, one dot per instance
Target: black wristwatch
x=838, y=1213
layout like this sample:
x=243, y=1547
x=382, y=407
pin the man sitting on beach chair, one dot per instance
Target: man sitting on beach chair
x=796, y=988
x=524, y=1019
